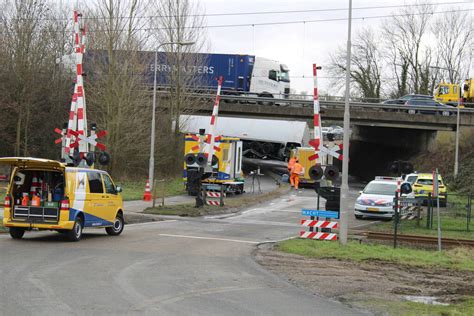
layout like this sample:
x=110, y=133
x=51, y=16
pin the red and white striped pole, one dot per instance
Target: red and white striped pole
x=77, y=115
x=215, y=114
x=316, y=118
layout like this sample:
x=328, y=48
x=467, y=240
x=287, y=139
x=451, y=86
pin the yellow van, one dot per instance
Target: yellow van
x=48, y=195
x=422, y=184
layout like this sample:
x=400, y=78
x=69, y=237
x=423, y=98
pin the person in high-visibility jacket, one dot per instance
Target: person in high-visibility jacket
x=296, y=171
x=291, y=163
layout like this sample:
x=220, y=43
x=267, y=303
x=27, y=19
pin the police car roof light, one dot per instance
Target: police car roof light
x=387, y=178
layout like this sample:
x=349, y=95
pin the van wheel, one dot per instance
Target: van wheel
x=16, y=232
x=117, y=228
x=76, y=233
x=358, y=216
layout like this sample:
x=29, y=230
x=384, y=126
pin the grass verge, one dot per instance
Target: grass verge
x=458, y=258
x=231, y=203
x=134, y=190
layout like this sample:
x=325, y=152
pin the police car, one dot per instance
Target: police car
x=376, y=200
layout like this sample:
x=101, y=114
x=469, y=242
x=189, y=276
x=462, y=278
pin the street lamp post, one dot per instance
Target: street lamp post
x=344, y=213
x=151, y=167
x=458, y=114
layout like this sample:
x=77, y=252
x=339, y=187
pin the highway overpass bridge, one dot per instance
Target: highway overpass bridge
x=380, y=133
x=362, y=114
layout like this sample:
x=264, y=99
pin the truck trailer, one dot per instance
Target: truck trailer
x=262, y=139
x=243, y=75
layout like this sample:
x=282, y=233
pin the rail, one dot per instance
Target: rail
x=419, y=239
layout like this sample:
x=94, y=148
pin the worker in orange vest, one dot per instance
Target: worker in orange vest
x=291, y=163
x=296, y=171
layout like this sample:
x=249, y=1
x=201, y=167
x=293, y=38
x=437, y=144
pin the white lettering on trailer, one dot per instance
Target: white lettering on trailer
x=188, y=69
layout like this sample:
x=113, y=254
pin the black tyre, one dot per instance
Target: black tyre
x=117, y=228
x=76, y=233
x=358, y=216
x=16, y=232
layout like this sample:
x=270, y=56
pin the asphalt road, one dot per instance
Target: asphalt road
x=196, y=266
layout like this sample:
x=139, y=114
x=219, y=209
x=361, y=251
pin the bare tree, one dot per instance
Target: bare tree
x=178, y=21
x=32, y=86
x=118, y=100
x=454, y=36
x=366, y=65
x=405, y=35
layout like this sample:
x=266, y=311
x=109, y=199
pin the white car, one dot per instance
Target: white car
x=376, y=200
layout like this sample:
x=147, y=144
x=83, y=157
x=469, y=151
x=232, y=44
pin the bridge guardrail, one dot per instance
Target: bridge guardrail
x=333, y=104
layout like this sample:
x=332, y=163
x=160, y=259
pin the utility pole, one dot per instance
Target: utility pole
x=456, y=150
x=151, y=167
x=458, y=115
x=344, y=216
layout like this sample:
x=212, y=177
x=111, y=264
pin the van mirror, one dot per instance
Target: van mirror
x=118, y=189
x=360, y=192
x=406, y=188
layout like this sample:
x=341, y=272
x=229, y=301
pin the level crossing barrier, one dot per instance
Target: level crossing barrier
x=315, y=224
x=213, y=194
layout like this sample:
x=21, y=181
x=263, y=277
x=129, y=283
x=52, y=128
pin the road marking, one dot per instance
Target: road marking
x=152, y=222
x=264, y=223
x=288, y=211
x=212, y=238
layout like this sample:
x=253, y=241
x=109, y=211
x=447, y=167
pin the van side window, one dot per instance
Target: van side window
x=95, y=182
x=109, y=186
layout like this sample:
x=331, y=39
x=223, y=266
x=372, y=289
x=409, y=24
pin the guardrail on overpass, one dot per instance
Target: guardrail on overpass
x=369, y=114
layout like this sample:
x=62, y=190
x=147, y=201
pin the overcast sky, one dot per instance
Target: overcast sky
x=297, y=45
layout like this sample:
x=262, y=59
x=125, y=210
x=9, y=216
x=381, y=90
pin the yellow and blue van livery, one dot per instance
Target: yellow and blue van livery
x=48, y=195
x=226, y=161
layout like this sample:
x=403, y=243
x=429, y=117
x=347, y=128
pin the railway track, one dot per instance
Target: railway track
x=419, y=239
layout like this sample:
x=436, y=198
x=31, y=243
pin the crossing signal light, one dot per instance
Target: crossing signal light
x=201, y=159
x=316, y=172
x=190, y=159
x=104, y=158
x=331, y=172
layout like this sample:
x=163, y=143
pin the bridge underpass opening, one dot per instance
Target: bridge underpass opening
x=372, y=149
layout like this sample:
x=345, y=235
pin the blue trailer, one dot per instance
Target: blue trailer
x=236, y=70
x=242, y=74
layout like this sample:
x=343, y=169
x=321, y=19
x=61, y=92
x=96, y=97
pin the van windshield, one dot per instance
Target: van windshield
x=380, y=188
x=411, y=179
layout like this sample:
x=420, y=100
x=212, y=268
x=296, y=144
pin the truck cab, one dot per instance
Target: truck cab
x=270, y=79
x=46, y=194
x=447, y=93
